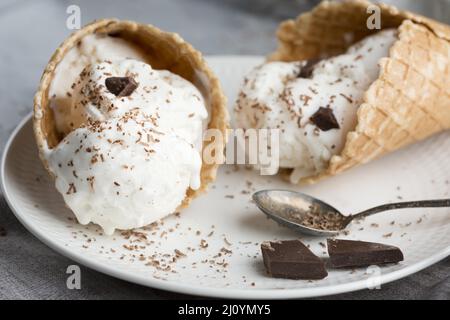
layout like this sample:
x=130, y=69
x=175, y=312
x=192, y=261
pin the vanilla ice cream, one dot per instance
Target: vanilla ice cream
x=132, y=135
x=314, y=107
x=124, y=172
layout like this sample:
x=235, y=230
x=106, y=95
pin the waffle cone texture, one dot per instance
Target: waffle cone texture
x=409, y=101
x=163, y=50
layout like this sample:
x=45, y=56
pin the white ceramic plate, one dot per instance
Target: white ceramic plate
x=231, y=226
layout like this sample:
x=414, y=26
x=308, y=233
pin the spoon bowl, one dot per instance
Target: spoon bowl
x=300, y=212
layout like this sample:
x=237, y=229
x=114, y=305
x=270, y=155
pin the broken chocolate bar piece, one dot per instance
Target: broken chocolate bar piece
x=352, y=254
x=291, y=259
x=121, y=86
x=324, y=119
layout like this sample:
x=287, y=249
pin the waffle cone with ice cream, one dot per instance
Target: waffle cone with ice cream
x=409, y=101
x=162, y=51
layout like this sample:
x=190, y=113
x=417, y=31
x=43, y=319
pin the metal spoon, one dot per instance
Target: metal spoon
x=312, y=216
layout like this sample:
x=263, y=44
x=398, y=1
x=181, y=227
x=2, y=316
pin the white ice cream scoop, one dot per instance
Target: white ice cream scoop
x=124, y=172
x=315, y=112
x=132, y=145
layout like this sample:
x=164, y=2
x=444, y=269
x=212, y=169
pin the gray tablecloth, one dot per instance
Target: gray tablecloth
x=31, y=30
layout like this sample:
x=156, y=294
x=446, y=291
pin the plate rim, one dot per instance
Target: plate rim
x=204, y=291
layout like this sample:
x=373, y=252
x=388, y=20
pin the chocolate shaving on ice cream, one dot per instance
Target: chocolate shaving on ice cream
x=121, y=86
x=324, y=119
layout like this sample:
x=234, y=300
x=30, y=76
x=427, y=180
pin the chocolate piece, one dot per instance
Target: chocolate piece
x=114, y=34
x=308, y=68
x=121, y=86
x=291, y=259
x=351, y=254
x=324, y=119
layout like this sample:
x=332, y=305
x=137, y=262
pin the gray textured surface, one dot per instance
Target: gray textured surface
x=32, y=29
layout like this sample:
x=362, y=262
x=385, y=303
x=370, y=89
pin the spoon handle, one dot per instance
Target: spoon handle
x=403, y=205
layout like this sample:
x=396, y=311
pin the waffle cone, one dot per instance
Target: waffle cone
x=409, y=101
x=163, y=51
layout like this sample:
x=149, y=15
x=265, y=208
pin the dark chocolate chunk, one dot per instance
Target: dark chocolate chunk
x=291, y=259
x=352, y=254
x=324, y=119
x=308, y=68
x=121, y=86
x=3, y=232
x=114, y=34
